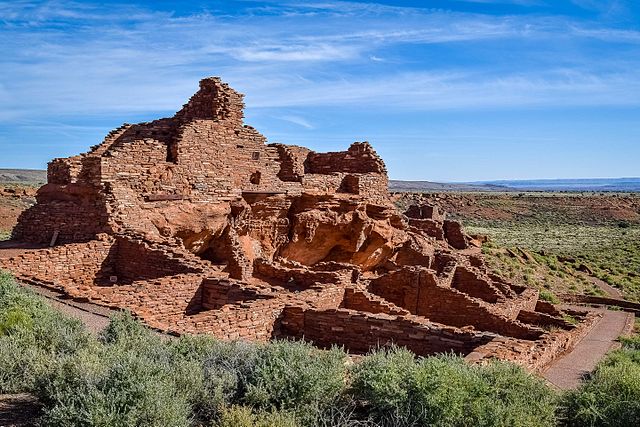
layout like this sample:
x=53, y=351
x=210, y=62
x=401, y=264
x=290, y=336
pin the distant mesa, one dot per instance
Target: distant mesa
x=197, y=225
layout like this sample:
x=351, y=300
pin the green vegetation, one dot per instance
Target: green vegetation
x=129, y=376
x=542, y=271
x=611, y=397
x=611, y=254
x=446, y=391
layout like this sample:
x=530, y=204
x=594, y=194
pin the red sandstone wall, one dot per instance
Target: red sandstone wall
x=360, y=158
x=359, y=300
x=71, y=267
x=468, y=282
x=361, y=332
x=417, y=290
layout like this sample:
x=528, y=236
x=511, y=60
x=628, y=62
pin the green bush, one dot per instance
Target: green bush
x=112, y=387
x=611, y=397
x=631, y=342
x=240, y=416
x=134, y=378
x=31, y=335
x=549, y=297
x=225, y=372
x=446, y=391
x=295, y=376
x=381, y=380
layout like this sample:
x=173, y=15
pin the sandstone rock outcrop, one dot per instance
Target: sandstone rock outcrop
x=197, y=225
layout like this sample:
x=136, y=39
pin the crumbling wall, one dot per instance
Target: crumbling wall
x=137, y=260
x=69, y=267
x=359, y=158
x=417, y=290
x=360, y=332
x=472, y=284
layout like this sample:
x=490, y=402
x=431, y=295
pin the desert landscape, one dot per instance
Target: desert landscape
x=274, y=213
x=195, y=226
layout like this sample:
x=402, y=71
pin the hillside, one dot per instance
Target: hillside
x=23, y=176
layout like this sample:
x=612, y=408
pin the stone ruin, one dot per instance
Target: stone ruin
x=196, y=224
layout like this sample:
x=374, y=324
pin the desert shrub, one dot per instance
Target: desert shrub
x=225, y=368
x=380, y=382
x=19, y=366
x=631, y=342
x=295, y=376
x=112, y=387
x=506, y=395
x=241, y=416
x=133, y=378
x=32, y=333
x=446, y=391
x=611, y=397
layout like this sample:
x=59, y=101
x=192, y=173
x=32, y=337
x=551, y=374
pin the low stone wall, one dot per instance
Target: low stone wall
x=633, y=307
x=220, y=292
x=361, y=332
x=543, y=320
x=359, y=158
x=360, y=300
x=535, y=356
x=298, y=277
x=469, y=283
x=138, y=260
x=68, y=267
x=418, y=291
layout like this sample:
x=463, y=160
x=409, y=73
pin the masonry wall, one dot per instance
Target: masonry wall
x=137, y=260
x=70, y=267
x=260, y=319
x=298, y=277
x=360, y=300
x=451, y=307
x=360, y=332
x=468, y=282
x=220, y=292
x=78, y=216
x=418, y=291
x=359, y=158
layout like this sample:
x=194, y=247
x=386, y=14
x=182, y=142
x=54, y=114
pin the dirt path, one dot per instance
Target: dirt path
x=570, y=369
x=606, y=288
x=18, y=410
x=95, y=317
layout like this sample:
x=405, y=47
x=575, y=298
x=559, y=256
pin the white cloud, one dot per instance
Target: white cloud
x=61, y=58
x=300, y=121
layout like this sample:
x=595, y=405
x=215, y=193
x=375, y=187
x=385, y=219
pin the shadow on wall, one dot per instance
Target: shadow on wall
x=131, y=260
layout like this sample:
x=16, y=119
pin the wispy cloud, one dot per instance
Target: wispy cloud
x=300, y=121
x=63, y=58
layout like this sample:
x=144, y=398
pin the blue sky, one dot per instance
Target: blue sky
x=444, y=90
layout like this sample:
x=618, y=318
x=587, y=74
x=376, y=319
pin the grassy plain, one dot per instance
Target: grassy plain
x=554, y=242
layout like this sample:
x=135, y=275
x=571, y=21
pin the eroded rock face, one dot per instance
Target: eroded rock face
x=197, y=225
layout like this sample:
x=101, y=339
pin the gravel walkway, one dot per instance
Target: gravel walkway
x=568, y=371
x=607, y=288
x=95, y=317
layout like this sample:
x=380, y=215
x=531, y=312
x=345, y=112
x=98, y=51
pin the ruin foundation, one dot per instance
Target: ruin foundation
x=197, y=225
